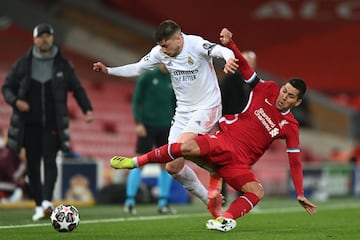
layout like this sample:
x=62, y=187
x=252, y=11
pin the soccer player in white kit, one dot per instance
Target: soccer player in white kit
x=189, y=60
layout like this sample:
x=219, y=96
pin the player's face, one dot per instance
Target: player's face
x=173, y=46
x=288, y=98
x=44, y=42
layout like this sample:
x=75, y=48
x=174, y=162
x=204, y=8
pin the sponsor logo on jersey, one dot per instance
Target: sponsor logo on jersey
x=184, y=76
x=267, y=122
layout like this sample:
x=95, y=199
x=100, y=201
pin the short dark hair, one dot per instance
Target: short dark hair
x=299, y=84
x=166, y=30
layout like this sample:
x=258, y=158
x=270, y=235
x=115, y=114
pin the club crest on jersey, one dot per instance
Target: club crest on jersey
x=190, y=60
x=282, y=123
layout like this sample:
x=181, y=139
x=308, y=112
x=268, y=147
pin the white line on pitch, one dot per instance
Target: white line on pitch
x=257, y=210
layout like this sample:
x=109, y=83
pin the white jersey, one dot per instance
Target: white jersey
x=192, y=72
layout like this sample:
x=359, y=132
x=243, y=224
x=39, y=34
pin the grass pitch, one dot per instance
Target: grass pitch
x=273, y=218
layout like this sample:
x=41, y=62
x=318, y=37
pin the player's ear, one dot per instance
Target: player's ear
x=298, y=102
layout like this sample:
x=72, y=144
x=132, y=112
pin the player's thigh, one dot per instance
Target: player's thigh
x=202, y=121
x=196, y=122
x=175, y=131
x=240, y=177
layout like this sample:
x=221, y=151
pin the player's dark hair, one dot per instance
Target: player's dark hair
x=166, y=30
x=299, y=84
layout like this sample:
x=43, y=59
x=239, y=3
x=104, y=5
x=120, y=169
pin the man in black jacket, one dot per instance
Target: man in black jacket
x=36, y=88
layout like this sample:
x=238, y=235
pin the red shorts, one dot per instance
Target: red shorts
x=232, y=166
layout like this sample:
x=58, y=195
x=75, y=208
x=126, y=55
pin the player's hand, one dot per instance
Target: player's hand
x=22, y=105
x=231, y=65
x=100, y=67
x=225, y=36
x=140, y=130
x=89, y=117
x=309, y=206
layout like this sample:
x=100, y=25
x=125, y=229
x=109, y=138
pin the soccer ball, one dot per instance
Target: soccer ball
x=65, y=218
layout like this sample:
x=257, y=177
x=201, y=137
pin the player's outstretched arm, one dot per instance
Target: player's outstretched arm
x=100, y=67
x=309, y=206
x=240, y=62
x=225, y=36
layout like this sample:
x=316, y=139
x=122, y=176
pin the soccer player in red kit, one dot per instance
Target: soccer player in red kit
x=241, y=140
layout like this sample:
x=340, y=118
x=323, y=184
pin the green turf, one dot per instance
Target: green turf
x=280, y=219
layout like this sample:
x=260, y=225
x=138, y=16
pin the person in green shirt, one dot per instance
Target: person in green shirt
x=153, y=107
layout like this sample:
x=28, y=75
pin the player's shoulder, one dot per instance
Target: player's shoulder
x=155, y=50
x=290, y=118
x=192, y=37
x=197, y=42
x=267, y=86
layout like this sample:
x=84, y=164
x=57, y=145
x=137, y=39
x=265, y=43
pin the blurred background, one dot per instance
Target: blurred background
x=317, y=40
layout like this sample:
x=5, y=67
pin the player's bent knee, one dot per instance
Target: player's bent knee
x=259, y=191
x=254, y=187
x=175, y=166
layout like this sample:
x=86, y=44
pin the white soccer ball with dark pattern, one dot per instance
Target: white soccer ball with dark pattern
x=65, y=218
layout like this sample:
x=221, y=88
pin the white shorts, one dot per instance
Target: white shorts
x=198, y=122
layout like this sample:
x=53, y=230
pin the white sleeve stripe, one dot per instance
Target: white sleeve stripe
x=248, y=103
x=169, y=151
x=293, y=150
x=251, y=78
x=248, y=201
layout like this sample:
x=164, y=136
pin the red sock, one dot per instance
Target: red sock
x=163, y=154
x=241, y=206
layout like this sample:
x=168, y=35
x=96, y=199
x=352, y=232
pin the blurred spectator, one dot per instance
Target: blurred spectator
x=13, y=184
x=355, y=154
x=338, y=155
x=153, y=107
x=3, y=138
x=308, y=157
x=37, y=87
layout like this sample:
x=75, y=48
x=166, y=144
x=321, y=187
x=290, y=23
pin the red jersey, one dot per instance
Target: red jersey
x=244, y=137
x=260, y=123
